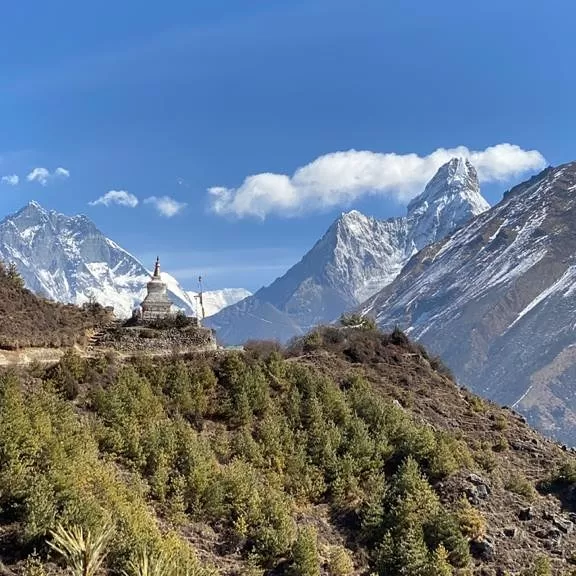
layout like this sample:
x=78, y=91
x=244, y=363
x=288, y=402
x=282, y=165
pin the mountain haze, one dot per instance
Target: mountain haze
x=356, y=257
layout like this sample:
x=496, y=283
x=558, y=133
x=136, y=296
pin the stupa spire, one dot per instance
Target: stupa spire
x=156, y=304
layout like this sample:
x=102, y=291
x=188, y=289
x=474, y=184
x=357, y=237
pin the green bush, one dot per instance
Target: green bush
x=472, y=523
x=340, y=561
x=305, y=557
x=541, y=567
x=520, y=485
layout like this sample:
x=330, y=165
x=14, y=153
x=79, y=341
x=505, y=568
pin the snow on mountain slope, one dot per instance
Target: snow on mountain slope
x=497, y=301
x=451, y=198
x=355, y=258
x=66, y=258
x=216, y=300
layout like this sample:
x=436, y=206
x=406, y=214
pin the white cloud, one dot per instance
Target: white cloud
x=11, y=179
x=43, y=175
x=62, y=172
x=339, y=178
x=119, y=197
x=165, y=205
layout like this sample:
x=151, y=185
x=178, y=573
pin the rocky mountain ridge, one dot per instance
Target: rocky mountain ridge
x=497, y=300
x=356, y=257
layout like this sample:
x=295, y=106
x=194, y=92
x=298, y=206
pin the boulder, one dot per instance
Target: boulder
x=483, y=549
x=526, y=514
x=563, y=524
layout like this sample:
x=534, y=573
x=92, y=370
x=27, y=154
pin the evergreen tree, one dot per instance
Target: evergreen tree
x=439, y=564
x=306, y=561
x=403, y=553
x=14, y=276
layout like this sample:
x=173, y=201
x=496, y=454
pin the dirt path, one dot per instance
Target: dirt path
x=30, y=355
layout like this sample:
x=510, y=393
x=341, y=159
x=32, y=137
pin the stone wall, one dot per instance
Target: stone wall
x=136, y=339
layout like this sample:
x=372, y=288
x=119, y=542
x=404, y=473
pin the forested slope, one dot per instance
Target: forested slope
x=349, y=452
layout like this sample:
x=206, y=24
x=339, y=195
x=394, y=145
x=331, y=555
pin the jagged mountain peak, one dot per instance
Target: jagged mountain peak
x=357, y=256
x=31, y=210
x=68, y=259
x=32, y=204
x=33, y=218
x=455, y=179
x=352, y=215
x=451, y=198
x=354, y=225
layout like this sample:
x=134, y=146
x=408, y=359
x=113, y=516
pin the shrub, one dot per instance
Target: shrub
x=540, y=567
x=358, y=321
x=486, y=459
x=444, y=530
x=472, y=523
x=340, y=562
x=500, y=422
x=305, y=557
x=520, y=485
x=477, y=404
x=438, y=365
x=501, y=444
x=398, y=337
x=565, y=474
x=177, y=320
x=439, y=564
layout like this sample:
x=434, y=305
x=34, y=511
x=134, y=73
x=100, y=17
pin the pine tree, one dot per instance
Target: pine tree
x=403, y=553
x=305, y=553
x=439, y=565
x=14, y=276
x=411, y=497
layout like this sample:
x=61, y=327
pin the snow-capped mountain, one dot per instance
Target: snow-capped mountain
x=451, y=198
x=497, y=301
x=355, y=258
x=216, y=300
x=66, y=258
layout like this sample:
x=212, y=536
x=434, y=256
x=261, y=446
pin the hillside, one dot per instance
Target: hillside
x=357, y=256
x=29, y=321
x=350, y=452
x=497, y=301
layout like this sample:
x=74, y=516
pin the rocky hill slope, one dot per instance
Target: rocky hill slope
x=351, y=452
x=29, y=321
x=67, y=259
x=497, y=301
x=356, y=257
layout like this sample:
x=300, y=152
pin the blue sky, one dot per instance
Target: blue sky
x=173, y=99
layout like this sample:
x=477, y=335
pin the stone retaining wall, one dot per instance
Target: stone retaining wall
x=144, y=339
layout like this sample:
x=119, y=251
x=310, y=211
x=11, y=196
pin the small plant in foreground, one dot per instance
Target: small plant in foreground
x=83, y=551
